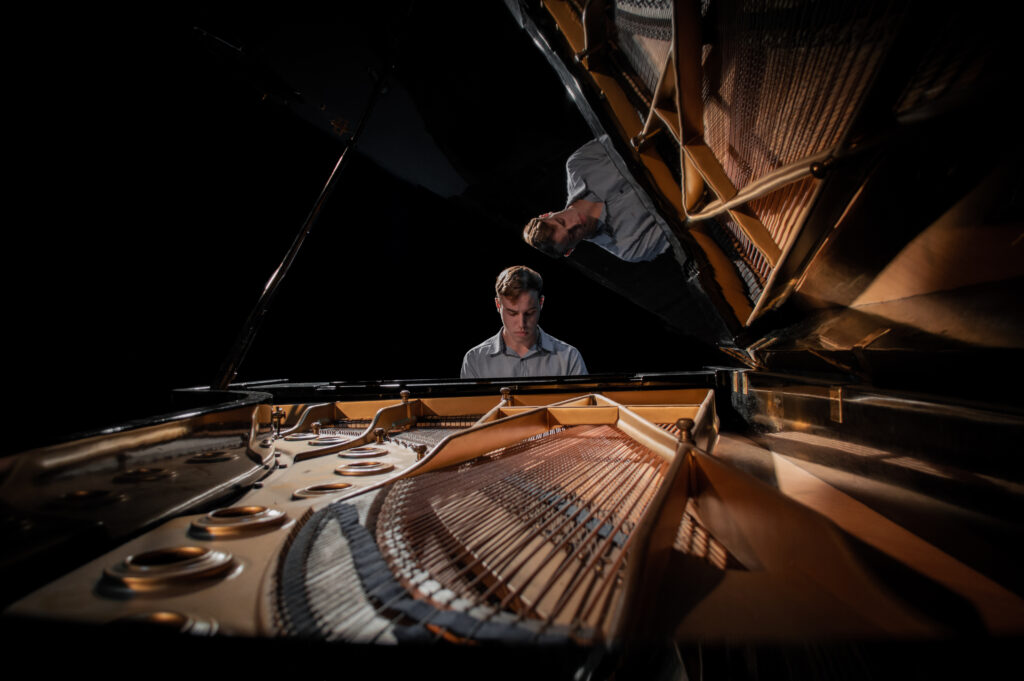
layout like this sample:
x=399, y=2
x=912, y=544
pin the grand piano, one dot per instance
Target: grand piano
x=793, y=457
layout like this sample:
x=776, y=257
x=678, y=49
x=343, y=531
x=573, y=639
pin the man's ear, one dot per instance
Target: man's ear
x=497, y=304
x=542, y=301
x=568, y=253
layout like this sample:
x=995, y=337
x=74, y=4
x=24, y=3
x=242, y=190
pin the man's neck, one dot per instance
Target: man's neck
x=591, y=211
x=520, y=348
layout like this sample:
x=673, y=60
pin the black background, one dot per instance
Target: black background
x=162, y=174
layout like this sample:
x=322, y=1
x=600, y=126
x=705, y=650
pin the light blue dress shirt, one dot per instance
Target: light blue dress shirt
x=629, y=226
x=548, y=357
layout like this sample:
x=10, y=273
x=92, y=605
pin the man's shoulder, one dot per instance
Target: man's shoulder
x=590, y=154
x=568, y=357
x=478, y=358
x=484, y=348
x=595, y=168
x=558, y=346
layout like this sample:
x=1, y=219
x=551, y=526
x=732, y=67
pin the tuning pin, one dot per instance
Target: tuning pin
x=379, y=434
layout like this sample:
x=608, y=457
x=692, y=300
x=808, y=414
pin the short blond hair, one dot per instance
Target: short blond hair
x=514, y=280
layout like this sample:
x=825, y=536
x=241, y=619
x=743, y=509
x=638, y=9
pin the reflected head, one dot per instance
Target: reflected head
x=540, y=233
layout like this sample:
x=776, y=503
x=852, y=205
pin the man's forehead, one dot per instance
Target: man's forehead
x=524, y=301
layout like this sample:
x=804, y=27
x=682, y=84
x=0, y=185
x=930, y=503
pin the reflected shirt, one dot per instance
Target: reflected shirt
x=548, y=357
x=629, y=227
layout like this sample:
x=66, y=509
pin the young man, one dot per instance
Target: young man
x=604, y=207
x=521, y=348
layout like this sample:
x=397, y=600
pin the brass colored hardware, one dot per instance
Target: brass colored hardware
x=237, y=520
x=277, y=419
x=165, y=567
x=364, y=468
x=315, y=428
x=327, y=440
x=421, y=451
x=320, y=490
x=578, y=57
x=379, y=434
x=362, y=452
x=640, y=140
x=405, y=396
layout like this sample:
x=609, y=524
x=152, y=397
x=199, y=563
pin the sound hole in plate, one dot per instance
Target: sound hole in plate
x=363, y=452
x=321, y=489
x=328, y=440
x=237, y=520
x=300, y=436
x=364, y=468
x=162, y=567
x=162, y=558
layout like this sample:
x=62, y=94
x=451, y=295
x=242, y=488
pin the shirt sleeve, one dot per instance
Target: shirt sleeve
x=582, y=169
x=468, y=370
x=577, y=367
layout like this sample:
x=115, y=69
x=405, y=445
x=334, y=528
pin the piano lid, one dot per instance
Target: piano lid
x=841, y=177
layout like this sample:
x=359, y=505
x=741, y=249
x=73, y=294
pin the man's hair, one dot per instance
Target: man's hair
x=514, y=280
x=538, y=233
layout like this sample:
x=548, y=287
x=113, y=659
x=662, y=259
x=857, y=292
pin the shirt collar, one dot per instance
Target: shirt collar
x=544, y=341
x=496, y=346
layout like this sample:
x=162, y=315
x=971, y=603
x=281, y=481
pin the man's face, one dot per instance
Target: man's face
x=519, y=316
x=568, y=229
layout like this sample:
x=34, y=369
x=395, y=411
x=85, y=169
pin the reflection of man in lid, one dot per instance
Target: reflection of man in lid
x=521, y=348
x=604, y=207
